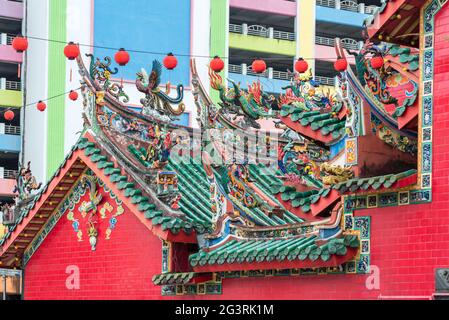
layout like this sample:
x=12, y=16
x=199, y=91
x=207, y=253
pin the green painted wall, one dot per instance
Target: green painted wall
x=11, y=98
x=260, y=44
x=56, y=84
x=218, y=33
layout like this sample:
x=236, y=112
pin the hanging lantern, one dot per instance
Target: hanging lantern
x=8, y=115
x=301, y=65
x=377, y=62
x=73, y=95
x=170, y=61
x=122, y=57
x=20, y=44
x=259, y=66
x=341, y=64
x=41, y=106
x=71, y=51
x=217, y=64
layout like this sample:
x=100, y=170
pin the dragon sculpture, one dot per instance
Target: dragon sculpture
x=155, y=99
x=251, y=105
x=332, y=174
x=102, y=72
x=26, y=183
x=302, y=93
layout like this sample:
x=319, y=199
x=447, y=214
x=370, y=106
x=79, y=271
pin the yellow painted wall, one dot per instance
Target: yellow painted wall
x=306, y=31
x=10, y=98
x=260, y=44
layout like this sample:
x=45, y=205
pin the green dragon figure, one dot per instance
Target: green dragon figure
x=252, y=104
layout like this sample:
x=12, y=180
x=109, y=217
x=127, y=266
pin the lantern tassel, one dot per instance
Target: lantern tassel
x=18, y=71
x=70, y=74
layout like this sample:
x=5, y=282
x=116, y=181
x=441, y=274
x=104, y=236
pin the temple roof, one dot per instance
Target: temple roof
x=298, y=252
x=396, y=21
x=323, y=125
x=391, y=181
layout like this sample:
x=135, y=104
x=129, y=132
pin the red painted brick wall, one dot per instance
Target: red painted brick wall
x=120, y=268
x=407, y=243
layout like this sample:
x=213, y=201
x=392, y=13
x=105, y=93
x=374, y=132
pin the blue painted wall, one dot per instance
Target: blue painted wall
x=149, y=25
x=269, y=85
x=332, y=15
x=10, y=143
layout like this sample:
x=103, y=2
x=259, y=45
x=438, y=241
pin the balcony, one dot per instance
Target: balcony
x=244, y=74
x=347, y=5
x=10, y=139
x=7, y=182
x=261, y=39
x=11, y=9
x=280, y=7
x=351, y=14
x=7, y=52
x=10, y=93
x=347, y=43
x=261, y=31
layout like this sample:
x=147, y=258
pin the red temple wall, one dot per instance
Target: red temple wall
x=120, y=268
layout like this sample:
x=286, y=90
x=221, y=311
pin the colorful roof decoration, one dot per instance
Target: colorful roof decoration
x=239, y=197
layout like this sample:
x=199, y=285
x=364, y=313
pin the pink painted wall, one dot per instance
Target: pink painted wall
x=327, y=53
x=6, y=187
x=8, y=54
x=282, y=7
x=11, y=9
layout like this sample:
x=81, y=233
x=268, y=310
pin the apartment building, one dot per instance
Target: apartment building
x=11, y=14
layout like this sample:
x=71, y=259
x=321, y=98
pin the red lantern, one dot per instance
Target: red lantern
x=217, y=64
x=73, y=95
x=259, y=66
x=20, y=44
x=41, y=106
x=122, y=57
x=341, y=64
x=170, y=61
x=71, y=51
x=377, y=62
x=9, y=115
x=301, y=65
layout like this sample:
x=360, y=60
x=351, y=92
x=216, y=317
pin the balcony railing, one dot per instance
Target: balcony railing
x=10, y=85
x=274, y=74
x=269, y=73
x=326, y=81
x=9, y=174
x=8, y=129
x=6, y=39
x=347, y=43
x=348, y=5
x=12, y=130
x=261, y=31
x=13, y=85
